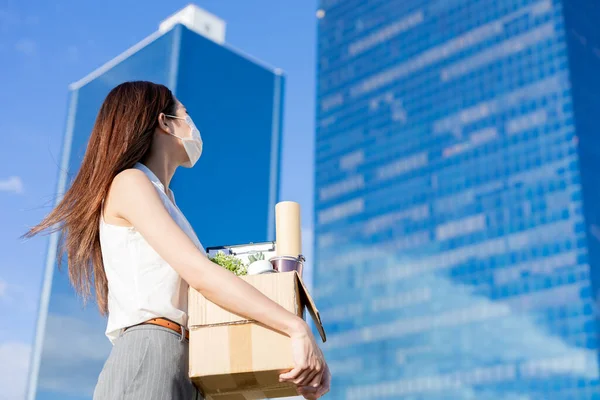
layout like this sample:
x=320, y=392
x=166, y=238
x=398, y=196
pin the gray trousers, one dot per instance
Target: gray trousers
x=147, y=362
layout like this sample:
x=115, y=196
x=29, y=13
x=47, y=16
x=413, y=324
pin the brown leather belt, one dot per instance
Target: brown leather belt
x=165, y=323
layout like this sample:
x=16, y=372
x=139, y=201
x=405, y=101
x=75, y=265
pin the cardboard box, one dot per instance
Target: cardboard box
x=233, y=358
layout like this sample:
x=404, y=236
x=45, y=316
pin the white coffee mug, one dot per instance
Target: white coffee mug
x=260, y=267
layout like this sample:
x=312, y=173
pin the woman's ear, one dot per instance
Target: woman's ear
x=162, y=123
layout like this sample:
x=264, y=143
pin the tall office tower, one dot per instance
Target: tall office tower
x=457, y=206
x=229, y=197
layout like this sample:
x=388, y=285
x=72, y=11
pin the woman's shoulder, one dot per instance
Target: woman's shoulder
x=129, y=190
x=125, y=189
x=132, y=178
x=131, y=182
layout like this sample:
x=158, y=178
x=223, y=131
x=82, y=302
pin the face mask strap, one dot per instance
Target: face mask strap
x=181, y=118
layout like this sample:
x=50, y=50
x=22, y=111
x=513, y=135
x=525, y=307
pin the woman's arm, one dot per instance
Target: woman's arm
x=134, y=198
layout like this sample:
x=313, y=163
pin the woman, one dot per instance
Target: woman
x=123, y=233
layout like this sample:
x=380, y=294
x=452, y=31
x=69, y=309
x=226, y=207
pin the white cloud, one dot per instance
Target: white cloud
x=26, y=46
x=14, y=369
x=459, y=323
x=13, y=184
x=18, y=298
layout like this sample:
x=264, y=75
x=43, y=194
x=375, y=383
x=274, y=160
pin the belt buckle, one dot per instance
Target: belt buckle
x=183, y=335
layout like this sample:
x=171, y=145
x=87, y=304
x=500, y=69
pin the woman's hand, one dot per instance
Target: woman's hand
x=309, y=362
x=316, y=389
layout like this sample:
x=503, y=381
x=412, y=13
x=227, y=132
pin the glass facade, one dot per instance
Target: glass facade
x=456, y=221
x=229, y=196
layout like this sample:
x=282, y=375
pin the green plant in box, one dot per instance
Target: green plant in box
x=256, y=257
x=230, y=263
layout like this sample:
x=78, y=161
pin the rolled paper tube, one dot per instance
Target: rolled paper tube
x=288, y=229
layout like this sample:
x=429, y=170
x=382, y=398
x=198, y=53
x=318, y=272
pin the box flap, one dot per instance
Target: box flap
x=312, y=308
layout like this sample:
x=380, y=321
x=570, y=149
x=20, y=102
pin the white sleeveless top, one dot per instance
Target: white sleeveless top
x=141, y=285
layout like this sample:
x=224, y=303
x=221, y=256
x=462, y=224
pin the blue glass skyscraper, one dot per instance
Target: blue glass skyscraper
x=457, y=211
x=229, y=196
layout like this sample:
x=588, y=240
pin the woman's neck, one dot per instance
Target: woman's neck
x=162, y=168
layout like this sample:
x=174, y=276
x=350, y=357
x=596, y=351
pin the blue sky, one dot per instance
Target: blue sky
x=47, y=45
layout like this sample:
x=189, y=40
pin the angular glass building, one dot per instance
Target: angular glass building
x=229, y=196
x=457, y=219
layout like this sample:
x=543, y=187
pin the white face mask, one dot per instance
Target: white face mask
x=193, y=144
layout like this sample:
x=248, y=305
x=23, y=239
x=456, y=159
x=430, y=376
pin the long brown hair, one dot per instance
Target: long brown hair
x=122, y=135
